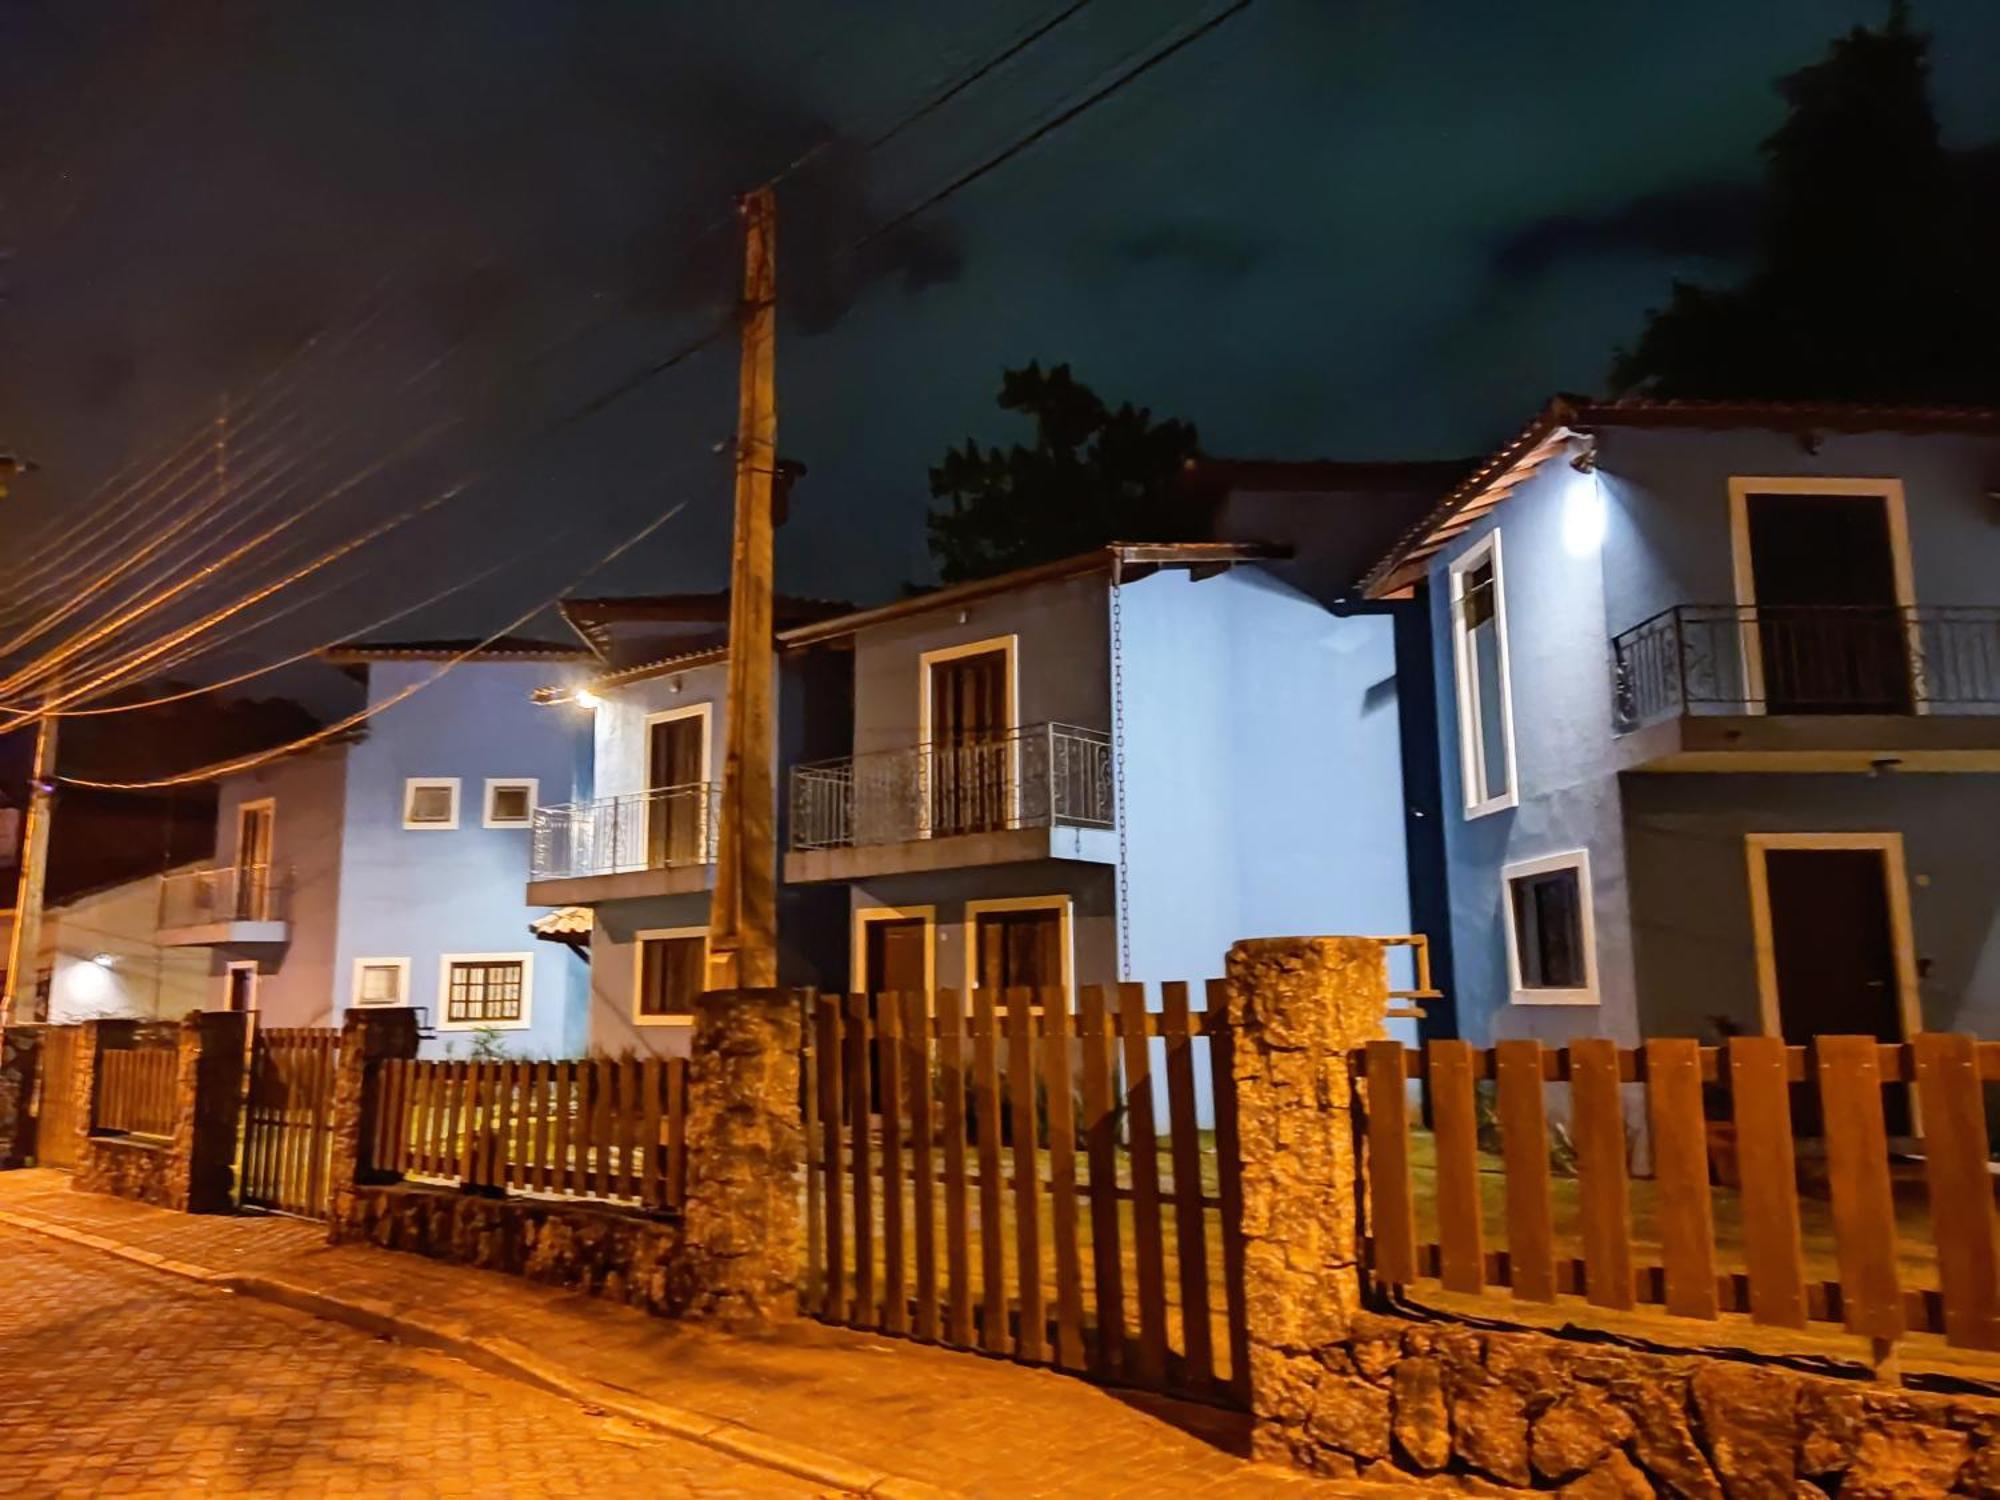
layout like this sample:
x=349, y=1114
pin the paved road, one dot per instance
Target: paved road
x=119, y=1381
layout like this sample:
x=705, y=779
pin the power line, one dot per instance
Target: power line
x=1049, y=127
x=361, y=716
x=999, y=59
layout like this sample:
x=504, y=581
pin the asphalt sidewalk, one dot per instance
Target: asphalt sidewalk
x=848, y=1410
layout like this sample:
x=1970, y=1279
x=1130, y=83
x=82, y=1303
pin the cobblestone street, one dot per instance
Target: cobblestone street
x=127, y=1383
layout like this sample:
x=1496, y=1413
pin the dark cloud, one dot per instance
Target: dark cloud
x=1714, y=220
x=1218, y=251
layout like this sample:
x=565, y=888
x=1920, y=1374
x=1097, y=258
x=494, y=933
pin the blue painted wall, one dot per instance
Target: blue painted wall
x=422, y=894
x=1263, y=777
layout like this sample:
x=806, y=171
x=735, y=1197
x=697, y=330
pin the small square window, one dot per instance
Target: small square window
x=381, y=981
x=510, y=804
x=1550, y=938
x=430, y=802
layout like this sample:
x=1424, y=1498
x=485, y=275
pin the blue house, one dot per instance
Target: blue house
x=1719, y=688
x=387, y=868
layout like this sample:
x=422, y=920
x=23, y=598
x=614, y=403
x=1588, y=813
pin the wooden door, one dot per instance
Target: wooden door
x=895, y=961
x=677, y=802
x=1833, y=948
x=1018, y=948
x=969, y=743
x=1830, y=631
x=253, y=862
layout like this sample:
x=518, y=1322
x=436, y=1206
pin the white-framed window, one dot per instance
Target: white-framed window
x=1485, y=691
x=485, y=989
x=670, y=968
x=430, y=802
x=510, y=801
x=239, y=985
x=381, y=981
x=1551, y=934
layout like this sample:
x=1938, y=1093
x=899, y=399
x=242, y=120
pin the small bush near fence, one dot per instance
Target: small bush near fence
x=136, y=1091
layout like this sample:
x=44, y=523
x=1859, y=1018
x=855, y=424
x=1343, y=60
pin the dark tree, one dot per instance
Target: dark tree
x=1093, y=476
x=1875, y=280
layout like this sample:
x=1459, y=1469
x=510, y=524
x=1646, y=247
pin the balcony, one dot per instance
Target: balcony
x=1041, y=792
x=653, y=843
x=225, y=907
x=1823, y=688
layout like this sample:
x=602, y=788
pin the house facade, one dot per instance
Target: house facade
x=629, y=851
x=1719, y=697
x=387, y=868
x=1108, y=768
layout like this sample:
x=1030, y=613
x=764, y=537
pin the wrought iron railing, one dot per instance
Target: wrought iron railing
x=1038, y=776
x=659, y=829
x=1831, y=659
x=231, y=893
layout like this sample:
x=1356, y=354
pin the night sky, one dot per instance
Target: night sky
x=1358, y=230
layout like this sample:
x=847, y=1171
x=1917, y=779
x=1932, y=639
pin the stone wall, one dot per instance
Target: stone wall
x=20, y=1056
x=1499, y=1411
x=126, y=1167
x=583, y=1247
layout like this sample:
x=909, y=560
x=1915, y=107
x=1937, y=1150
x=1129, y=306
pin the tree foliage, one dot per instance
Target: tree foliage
x=1875, y=279
x=1092, y=475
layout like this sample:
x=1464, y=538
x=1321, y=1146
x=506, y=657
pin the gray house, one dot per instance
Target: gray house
x=1719, y=696
x=1105, y=768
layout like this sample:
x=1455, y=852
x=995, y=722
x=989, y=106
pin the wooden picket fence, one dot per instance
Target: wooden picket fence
x=136, y=1089
x=992, y=1176
x=288, y=1119
x=1720, y=1124
x=614, y=1130
x=55, y=1097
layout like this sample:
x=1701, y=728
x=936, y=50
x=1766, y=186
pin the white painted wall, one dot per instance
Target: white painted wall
x=106, y=963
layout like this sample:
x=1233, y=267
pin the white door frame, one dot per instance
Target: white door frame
x=237, y=966
x=857, y=964
x=1750, y=643
x=1009, y=646
x=1902, y=932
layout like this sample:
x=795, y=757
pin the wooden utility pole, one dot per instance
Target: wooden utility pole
x=743, y=911
x=24, y=951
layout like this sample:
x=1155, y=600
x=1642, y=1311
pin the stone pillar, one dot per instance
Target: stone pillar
x=20, y=1057
x=739, y=1260
x=1297, y=1006
x=368, y=1036
x=201, y=1176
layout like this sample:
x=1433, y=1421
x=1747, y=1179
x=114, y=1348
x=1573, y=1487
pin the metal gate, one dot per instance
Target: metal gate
x=55, y=1098
x=288, y=1124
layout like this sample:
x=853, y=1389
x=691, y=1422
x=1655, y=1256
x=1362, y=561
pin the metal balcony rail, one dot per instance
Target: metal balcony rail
x=231, y=893
x=1037, y=776
x=1813, y=659
x=658, y=829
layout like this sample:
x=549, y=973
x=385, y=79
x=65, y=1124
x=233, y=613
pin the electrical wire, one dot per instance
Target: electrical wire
x=277, y=666
x=1049, y=127
x=361, y=716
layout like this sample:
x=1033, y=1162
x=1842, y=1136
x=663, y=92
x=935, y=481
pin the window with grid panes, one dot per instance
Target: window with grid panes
x=484, y=990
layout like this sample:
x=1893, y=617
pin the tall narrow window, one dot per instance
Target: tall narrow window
x=671, y=974
x=1485, y=708
x=1551, y=942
